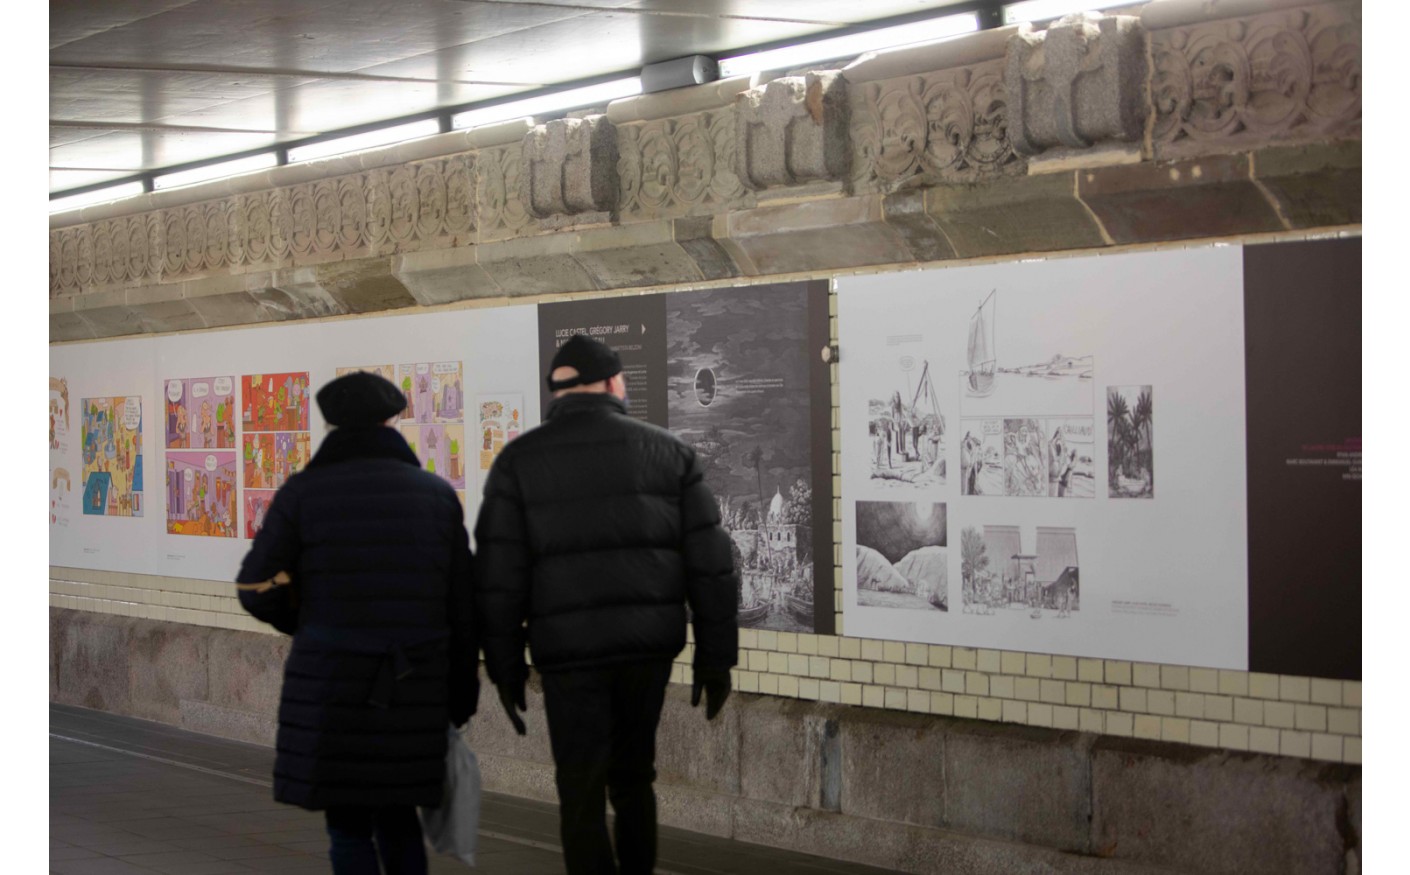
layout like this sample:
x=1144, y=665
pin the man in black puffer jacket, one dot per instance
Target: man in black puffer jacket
x=364, y=559
x=597, y=531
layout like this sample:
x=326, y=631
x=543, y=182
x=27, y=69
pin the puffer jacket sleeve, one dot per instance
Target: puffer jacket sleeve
x=502, y=574
x=711, y=582
x=464, y=636
x=267, y=583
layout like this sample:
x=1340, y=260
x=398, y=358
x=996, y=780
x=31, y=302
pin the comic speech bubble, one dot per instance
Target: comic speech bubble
x=200, y=390
x=132, y=413
x=423, y=368
x=907, y=363
x=446, y=367
x=211, y=463
x=173, y=391
x=223, y=385
x=1077, y=430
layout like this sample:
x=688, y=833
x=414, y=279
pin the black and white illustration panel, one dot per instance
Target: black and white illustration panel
x=738, y=391
x=906, y=426
x=1015, y=367
x=1021, y=356
x=1130, y=441
x=902, y=561
x=1032, y=570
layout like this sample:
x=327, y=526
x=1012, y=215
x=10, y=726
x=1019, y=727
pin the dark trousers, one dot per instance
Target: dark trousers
x=602, y=726
x=396, y=829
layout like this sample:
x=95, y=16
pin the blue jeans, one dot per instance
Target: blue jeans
x=397, y=832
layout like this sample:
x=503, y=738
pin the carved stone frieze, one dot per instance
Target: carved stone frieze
x=500, y=212
x=678, y=166
x=919, y=140
x=793, y=130
x=930, y=129
x=1078, y=83
x=1293, y=74
x=570, y=167
x=424, y=203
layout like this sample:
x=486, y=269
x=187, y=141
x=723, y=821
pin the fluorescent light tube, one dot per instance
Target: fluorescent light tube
x=215, y=171
x=363, y=141
x=97, y=196
x=851, y=45
x=1042, y=10
x=572, y=98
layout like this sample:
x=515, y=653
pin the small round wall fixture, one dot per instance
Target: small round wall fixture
x=704, y=387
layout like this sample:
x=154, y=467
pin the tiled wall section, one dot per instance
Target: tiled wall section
x=1294, y=716
x=1234, y=710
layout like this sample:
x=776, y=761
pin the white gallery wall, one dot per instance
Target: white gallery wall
x=1007, y=527
x=497, y=348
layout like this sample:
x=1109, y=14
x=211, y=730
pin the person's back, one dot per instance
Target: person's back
x=375, y=533
x=365, y=560
x=597, y=531
x=602, y=498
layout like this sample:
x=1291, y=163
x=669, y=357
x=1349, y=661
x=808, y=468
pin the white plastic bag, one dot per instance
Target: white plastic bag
x=453, y=828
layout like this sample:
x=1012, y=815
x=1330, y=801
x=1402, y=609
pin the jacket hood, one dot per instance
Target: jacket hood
x=376, y=442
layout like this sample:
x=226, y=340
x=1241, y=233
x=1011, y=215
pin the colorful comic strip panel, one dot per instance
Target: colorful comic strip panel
x=274, y=402
x=112, y=456
x=200, y=413
x=200, y=493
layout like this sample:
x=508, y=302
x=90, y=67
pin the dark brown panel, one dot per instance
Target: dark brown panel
x=634, y=326
x=1302, y=325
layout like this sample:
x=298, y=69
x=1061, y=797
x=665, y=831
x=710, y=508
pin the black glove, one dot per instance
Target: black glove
x=715, y=683
x=511, y=695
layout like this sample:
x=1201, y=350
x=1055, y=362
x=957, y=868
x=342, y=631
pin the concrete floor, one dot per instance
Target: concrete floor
x=129, y=796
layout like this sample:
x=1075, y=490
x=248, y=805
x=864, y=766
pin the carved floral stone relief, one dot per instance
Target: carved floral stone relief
x=930, y=129
x=1287, y=75
x=387, y=210
x=500, y=211
x=678, y=166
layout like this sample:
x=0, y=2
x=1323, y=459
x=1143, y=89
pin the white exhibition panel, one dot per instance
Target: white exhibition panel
x=497, y=347
x=1162, y=577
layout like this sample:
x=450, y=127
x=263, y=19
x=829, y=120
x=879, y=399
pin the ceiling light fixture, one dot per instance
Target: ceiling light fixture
x=851, y=45
x=366, y=140
x=1043, y=10
x=545, y=104
x=97, y=196
x=218, y=170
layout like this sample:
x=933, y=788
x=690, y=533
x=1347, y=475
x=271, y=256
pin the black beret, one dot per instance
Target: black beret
x=592, y=359
x=360, y=399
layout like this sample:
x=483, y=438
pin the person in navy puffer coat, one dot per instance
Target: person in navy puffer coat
x=364, y=559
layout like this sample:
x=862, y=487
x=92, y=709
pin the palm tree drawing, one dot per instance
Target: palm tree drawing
x=1141, y=421
x=1117, y=412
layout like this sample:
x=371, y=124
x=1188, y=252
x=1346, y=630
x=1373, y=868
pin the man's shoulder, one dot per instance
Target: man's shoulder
x=555, y=433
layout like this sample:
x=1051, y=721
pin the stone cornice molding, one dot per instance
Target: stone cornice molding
x=949, y=150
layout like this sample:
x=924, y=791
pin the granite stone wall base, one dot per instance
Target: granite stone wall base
x=917, y=793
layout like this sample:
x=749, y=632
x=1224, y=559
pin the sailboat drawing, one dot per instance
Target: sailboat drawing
x=981, y=349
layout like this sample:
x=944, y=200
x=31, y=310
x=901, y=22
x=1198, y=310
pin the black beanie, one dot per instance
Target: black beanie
x=592, y=359
x=360, y=399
